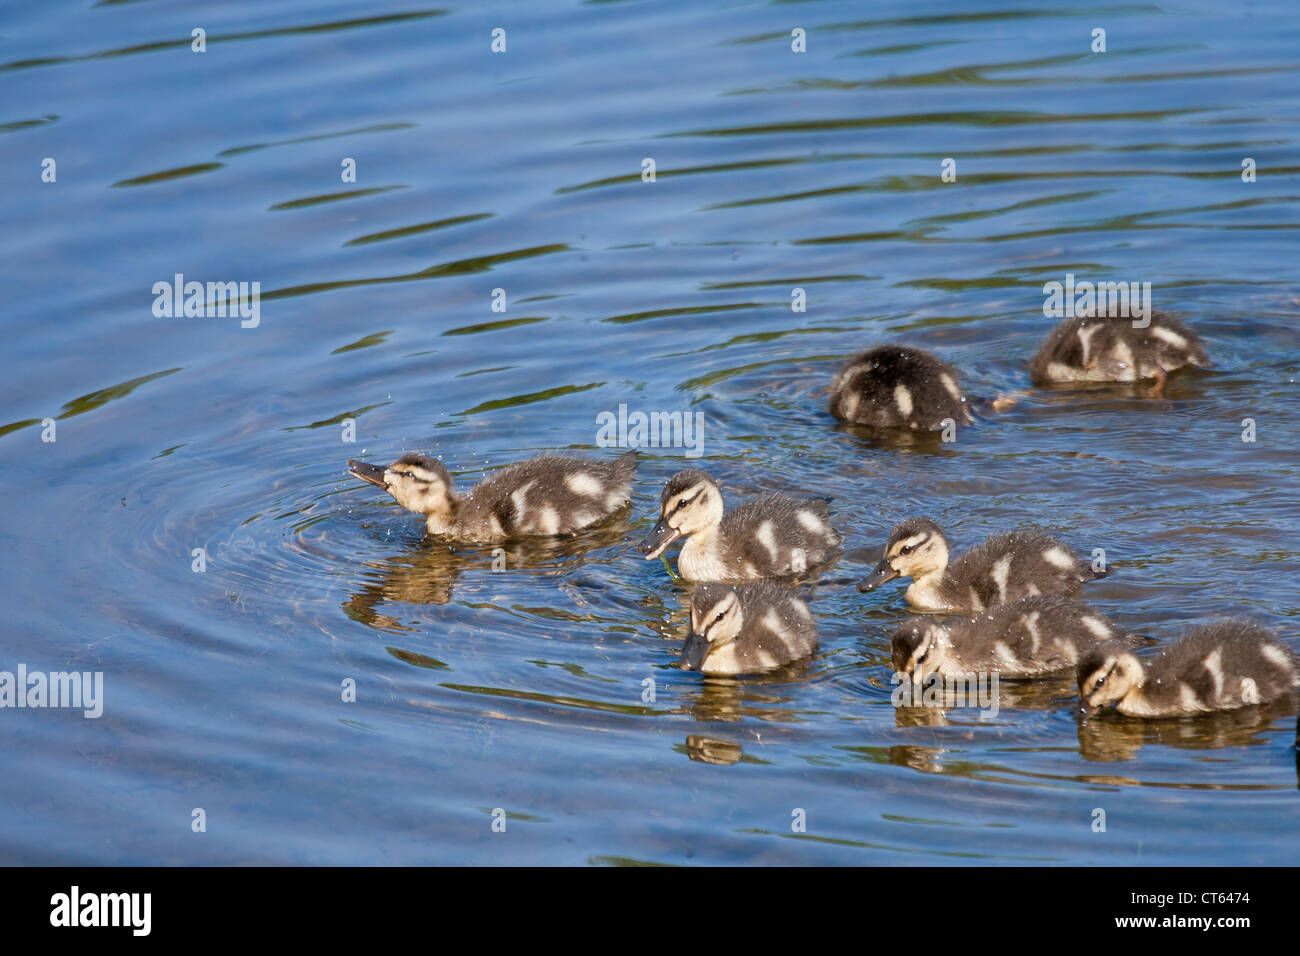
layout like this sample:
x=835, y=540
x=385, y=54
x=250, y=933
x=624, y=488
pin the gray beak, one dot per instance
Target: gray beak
x=693, y=654
x=879, y=576
x=660, y=537
x=368, y=473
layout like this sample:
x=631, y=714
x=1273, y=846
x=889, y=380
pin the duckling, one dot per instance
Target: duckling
x=1032, y=637
x=771, y=536
x=747, y=629
x=1094, y=348
x=1219, y=666
x=1006, y=567
x=548, y=495
x=895, y=386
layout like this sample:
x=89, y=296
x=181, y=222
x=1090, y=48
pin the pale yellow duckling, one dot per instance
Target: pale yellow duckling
x=747, y=629
x=770, y=537
x=897, y=386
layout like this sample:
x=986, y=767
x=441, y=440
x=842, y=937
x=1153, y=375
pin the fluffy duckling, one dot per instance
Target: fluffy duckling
x=1005, y=568
x=1032, y=637
x=747, y=629
x=769, y=537
x=1219, y=666
x=1111, y=349
x=548, y=495
x=894, y=386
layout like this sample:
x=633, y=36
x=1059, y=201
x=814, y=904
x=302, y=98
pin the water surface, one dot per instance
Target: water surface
x=522, y=689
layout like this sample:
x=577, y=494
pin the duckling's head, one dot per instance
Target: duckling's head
x=1107, y=674
x=716, y=619
x=919, y=647
x=691, y=502
x=916, y=548
x=418, y=483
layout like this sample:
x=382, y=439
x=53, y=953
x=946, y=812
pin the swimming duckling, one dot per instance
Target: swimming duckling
x=548, y=495
x=771, y=536
x=1111, y=349
x=1032, y=637
x=747, y=629
x=895, y=386
x=1006, y=567
x=1219, y=666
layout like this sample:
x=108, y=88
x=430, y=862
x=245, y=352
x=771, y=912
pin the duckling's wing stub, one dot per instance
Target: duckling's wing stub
x=624, y=466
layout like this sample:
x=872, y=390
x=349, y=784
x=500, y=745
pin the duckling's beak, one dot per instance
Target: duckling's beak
x=1086, y=709
x=693, y=654
x=371, y=473
x=660, y=537
x=884, y=572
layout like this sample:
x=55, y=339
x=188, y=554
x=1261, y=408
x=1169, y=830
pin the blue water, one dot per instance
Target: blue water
x=522, y=689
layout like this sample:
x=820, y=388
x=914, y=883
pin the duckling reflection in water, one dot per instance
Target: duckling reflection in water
x=769, y=537
x=976, y=690
x=546, y=496
x=1112, y=348
x=1122, y=738
x=722, y=753
x=427, y=571
x=747, y=629
x=1004, y=568
x=941, y=701
x=1218, y=666
x=768, y=701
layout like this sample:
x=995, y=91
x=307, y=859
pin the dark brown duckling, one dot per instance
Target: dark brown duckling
x=897, y=386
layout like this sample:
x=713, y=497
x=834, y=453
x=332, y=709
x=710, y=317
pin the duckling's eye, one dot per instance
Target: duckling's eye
x=680, y=505
x=720, y=615
x=907, y=549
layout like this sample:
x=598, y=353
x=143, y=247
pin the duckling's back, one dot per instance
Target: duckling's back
x=892, y=386
x=1033, y=636
x=1113, y=349
x=549, y=495
x=1221, y=665
x=776, y=536
x=1009, y=567
x=779, y=628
